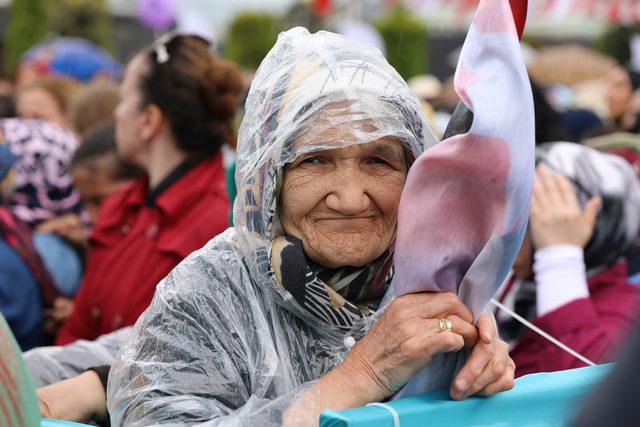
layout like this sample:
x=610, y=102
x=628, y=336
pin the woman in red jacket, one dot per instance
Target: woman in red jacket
x=178, y=101
x=572, y=278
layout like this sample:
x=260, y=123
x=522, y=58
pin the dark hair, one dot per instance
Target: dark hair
x=549, y=124
x=198, y=93
x=634, y=78
x=101, y=142
x=7, y=106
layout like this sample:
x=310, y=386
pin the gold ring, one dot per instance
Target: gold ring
x=445, y=324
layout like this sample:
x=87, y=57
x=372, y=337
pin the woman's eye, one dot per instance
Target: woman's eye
x=378, y=161
x=312, y=160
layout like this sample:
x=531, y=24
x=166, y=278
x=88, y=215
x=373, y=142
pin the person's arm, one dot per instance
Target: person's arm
x=70, y=228
x=383, y=361
x=560, y=229
x=202, y=352
x=79, y=399
x=48, y=365
x=560, y=277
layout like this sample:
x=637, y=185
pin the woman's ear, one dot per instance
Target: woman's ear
x=152, y=123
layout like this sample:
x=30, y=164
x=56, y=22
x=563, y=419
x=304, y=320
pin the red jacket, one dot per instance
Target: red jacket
x=594, y=327
x=134, y=246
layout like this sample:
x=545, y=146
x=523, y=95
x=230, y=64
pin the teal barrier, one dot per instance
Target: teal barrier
x=546, y=399
x=45, y=422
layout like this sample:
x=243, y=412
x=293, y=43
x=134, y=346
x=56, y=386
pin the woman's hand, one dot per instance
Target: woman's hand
x=399, y=344
x=54, y=317
x=556, y=217
x=405, y=339
x=489, y=369
x=69, y=227
x=80, y=399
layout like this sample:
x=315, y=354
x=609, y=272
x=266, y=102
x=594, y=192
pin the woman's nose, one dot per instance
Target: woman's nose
x=348, y=195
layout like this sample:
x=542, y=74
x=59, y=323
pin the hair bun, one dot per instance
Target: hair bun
x=222, y=87
x=197, y=92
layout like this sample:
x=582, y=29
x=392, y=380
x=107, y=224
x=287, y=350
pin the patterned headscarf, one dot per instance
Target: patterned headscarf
x=592, y=173
x=42, y=185
x=610, y=177
x=309, y=83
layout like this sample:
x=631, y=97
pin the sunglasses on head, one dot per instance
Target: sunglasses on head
x=160, y=46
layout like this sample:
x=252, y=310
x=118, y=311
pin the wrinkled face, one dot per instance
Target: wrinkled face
x=128, y=115
x=343, y=203
x=37, y=103
x=619, y=92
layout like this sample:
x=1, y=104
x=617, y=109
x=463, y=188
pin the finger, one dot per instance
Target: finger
x=485, y=366
x=444, y=304
x=550, y=186
x=539, y=190
x=465, y=329
x=567, y=191
x=505, y=382
x=536, y=202
x=486, y=328
x=444, y=342
x=590, y=214
x=45, y=227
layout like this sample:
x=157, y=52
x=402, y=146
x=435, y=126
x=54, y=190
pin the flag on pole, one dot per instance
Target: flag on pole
x=464, y=209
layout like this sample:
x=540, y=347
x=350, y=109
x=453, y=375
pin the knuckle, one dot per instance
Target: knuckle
x=497, y=369
x=453, y=340
x=450, y=298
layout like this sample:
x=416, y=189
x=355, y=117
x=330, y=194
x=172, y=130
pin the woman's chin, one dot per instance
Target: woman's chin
x=345, y=257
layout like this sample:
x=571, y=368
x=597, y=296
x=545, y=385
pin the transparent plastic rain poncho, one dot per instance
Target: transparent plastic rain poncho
x=221, y=342
x=48, y=365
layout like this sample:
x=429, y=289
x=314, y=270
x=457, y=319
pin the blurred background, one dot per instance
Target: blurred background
x=423, y=32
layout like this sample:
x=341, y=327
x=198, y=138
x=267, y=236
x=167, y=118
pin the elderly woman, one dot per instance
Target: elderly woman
x=292, y=310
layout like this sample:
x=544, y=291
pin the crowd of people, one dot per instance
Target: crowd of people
x=269, y=297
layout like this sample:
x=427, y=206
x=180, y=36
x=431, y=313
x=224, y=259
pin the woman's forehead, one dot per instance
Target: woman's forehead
x=344, y=123
x=388, y=146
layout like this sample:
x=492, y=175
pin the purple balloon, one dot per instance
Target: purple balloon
x=157, y=14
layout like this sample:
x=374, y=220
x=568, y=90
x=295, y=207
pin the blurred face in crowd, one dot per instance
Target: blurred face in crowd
x=94, y=182
x=619, y=91
x=130, y=117
x=37, y=103
x=343, y=203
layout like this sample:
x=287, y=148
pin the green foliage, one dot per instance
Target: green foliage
x=27, y=26
x=535, y=42
x=302, y=15
x=31, y=20
x=251, y=36
x=406, y=42
x=615, y=42
x=88, y=19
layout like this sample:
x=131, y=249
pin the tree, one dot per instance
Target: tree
x=405, y=40
x=250, y=38
x=88, y=19
x=27, y=26
x=615, y=42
